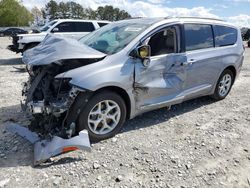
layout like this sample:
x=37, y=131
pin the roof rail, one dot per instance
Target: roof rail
x=195, y=18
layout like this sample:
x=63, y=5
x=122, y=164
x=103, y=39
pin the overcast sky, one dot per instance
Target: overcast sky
x=236, y=11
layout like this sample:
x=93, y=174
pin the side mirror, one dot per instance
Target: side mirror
x=144, y=51
x=54, y=30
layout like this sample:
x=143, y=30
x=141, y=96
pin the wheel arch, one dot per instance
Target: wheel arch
x=229, y=67
x=233, y=69
x=120, y=91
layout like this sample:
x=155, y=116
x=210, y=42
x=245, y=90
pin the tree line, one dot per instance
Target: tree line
x=71, y=9
x=13, y=13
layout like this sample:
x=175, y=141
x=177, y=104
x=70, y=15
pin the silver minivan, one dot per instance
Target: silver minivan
x=127, y=68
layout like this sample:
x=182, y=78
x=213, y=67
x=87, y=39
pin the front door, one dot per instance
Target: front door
x=162, y=81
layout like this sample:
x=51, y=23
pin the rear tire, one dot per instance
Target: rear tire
x=103, y=115
x=224, y=85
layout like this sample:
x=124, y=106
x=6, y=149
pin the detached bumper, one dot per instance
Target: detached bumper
x=45, y=149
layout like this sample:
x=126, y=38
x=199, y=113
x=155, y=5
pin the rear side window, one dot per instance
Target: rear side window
x=101, y=24
x=66, y=27
x=198, y=36
x=225, y=36
x=84, y=26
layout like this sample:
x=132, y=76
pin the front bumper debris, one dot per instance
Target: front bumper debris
x=45, y=149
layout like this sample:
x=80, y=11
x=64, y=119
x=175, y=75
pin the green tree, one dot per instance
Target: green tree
x=51, y=10
x=110, y=13
x=75, y=10
x=64, y=10
x=12, y=13
x=90, y=14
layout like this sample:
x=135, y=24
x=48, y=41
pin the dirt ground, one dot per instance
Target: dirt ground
x=200, y=143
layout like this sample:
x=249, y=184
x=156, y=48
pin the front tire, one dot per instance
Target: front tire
x=224, y=85
x=29, y=46
x=103, y=116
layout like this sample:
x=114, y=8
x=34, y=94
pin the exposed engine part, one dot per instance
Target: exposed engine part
x=56, y=108
x=49, y=99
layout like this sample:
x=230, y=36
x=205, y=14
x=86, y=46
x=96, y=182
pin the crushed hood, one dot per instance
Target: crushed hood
x=54, y=48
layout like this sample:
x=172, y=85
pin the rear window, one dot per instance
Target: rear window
x=198, y=36
x=84, y=26
x=225, y=36
x=102, y=24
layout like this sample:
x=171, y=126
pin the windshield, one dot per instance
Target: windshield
x=47, y=26
x=113, y=37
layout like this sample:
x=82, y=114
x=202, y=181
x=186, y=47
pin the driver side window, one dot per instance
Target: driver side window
x=163, y=42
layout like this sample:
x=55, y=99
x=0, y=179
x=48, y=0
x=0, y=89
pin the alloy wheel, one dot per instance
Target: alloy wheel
x=104, y=117
x=225, y=85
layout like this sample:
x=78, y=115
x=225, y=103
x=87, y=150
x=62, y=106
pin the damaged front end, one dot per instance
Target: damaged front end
x=51, y=101
x=48, y=99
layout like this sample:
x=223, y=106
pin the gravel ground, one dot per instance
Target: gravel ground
x=200, y=143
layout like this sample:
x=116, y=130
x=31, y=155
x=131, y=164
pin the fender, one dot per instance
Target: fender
x=105, y=73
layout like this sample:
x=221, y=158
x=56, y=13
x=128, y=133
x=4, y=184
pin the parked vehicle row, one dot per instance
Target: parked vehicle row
x=127, y=68
x=62, y=27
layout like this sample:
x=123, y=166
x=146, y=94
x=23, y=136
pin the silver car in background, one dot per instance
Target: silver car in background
x=127, y=68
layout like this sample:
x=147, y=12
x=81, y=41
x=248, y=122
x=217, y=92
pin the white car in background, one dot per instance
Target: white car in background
x=61, y=27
